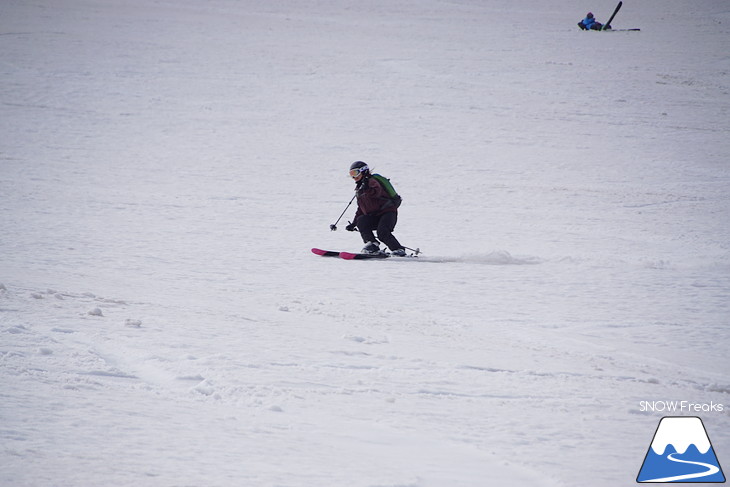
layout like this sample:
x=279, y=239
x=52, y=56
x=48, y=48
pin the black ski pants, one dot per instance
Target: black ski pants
x=384, y=224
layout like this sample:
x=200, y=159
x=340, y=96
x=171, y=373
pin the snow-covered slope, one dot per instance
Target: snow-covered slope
x=165, y=168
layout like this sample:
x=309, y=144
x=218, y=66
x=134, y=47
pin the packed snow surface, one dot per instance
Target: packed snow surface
x=165, y=168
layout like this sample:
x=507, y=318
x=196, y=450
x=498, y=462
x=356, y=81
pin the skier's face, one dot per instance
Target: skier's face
x=356, y=174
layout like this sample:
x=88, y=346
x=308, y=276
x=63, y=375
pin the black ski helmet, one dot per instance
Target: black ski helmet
x=358, y=167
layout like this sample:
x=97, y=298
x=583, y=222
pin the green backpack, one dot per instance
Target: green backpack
x=393, y=196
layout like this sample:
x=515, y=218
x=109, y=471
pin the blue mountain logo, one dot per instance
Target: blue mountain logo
x=681, y=452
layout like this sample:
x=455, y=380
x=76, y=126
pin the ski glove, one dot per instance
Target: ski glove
x=351, y=227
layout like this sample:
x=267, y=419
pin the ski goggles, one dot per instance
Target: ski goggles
x=354, y=173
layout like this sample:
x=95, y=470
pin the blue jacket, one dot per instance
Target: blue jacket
x=588, y=22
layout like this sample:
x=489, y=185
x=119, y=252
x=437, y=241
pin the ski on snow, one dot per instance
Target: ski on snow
x=326, y=253
x=352, y=255
x=607, y=25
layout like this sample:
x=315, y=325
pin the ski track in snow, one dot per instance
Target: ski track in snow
x=165, y=169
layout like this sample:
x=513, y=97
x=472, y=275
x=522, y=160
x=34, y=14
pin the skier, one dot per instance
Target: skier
x=377, y=209
x=589, y=23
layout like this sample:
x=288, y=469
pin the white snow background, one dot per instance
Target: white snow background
x=165, y=168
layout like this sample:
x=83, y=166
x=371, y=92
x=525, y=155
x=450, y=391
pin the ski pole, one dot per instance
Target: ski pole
x=415, y=251
x=333, y=227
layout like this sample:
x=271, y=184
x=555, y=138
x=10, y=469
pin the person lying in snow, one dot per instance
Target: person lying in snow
x=590, y=23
